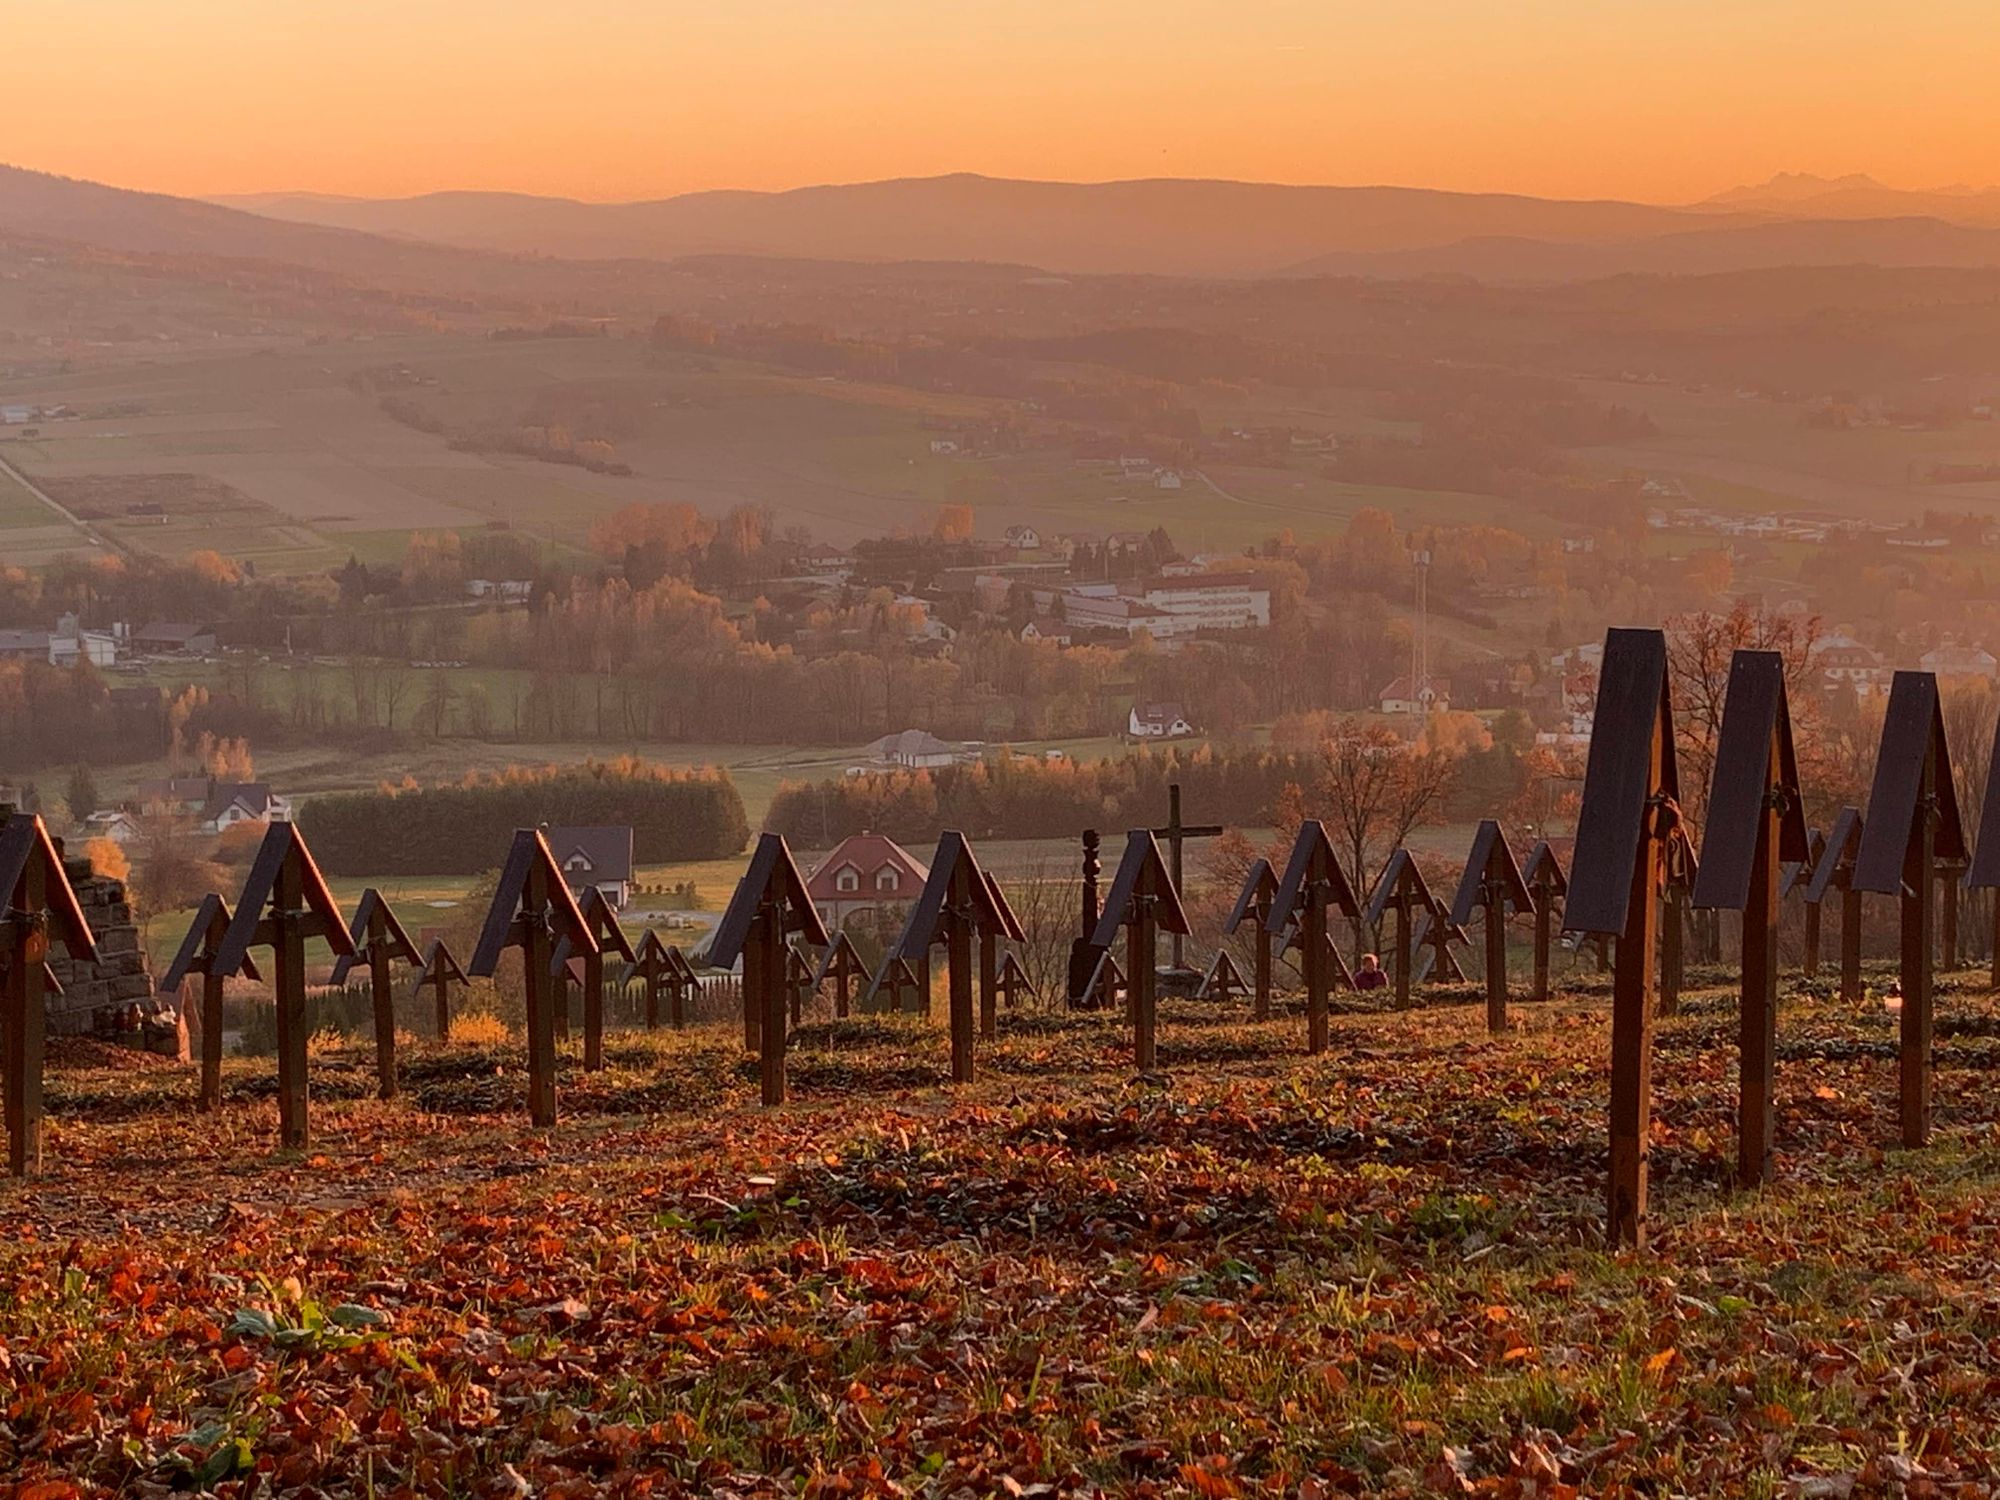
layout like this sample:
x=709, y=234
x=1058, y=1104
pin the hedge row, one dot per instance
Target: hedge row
x=465, y=827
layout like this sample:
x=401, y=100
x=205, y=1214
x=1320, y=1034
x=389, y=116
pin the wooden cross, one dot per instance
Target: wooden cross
x=1143, y=899
x=532, y=910
x=601, y=918
x=440, y=971
x=651, y=964
x=1984, y=872
x=1630, y=814
x=1253, y=905
x=285, y=900
x=1913, y=822
x=770, y=903
x=842, y=964
x=1433, y=934
x=1177, y=833
x=1313, y=882
x=197, y=956
x=799, y=986
x=990, y=937
x=1797, y=881
x=1756, y=821
x=895, y=978
x=1337, y=972
x=957, y=904
x=1835, y=871
x=379, y=940
x=1013, y=980
x=1224, y=980
x=1403, y=889
x=1107, y=984
x=1492, y=883
x=1083, y=955
x=39, y=904
x=1549, y=884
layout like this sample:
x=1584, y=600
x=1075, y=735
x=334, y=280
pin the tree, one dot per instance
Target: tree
x=81, y=795
x=1376, y=788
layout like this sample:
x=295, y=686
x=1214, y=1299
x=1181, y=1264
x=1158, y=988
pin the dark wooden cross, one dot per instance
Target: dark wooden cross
x=1143, y=899
x=956, y=906
x=1253, y=905
x=533, y=910
x=1224, y=980
x=1549, y=884
x=1835, y=872
x=769, y=905
x=1013, y=980
x=39, y=904
x=197, y=956
x=1984, y=872
x=1313, y=881
x=1107, y=985
x=1492, y=884
x=1402, y=889
x=1083, y=955
x=1756, y=821
x=1682, y=870
x=440, y=971
x=1798, y=882
x=1176, y=834
x=1008, y=929
x=285, y=901
x=842, y=964
x=895, y=979
x=652, y=965
x=1630, y=814
x=799, y=986
x=1913, y=822
x=601, y=918
x=379, y=940
x=1337, y=972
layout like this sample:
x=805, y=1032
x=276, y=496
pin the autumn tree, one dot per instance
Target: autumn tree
x=81, y=795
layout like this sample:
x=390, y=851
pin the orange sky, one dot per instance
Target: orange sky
x=1658, y=99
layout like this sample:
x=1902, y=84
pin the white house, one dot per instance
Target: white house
x=1952, y=660
x=1023, y=538
x=113, y=823
x=1158, y=721
x=913, y=749
x=1408, y=695
x=864, y=871
x=599, y=856
x=1167, y=479
x=233, y=802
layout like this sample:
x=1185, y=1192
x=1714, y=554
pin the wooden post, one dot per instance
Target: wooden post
x=1313, y=935
x=1139, y=981
x=1261, y=1007
x=1811, y=965
x=210, y=1098
x=1918, y=917
x=1850, y=945
x=1758, y=1014
x=989, y=981
x=1313, y=881
x=545, y=992
x=769, y=902
x=1632, y=1047
x=289, y=981
x=1403, y=957
x=593, y=1011
x=1143, y=900
x=1176, y=834
x=1673, y=949
x=1496, y=959
x=753, y=1007
x=27, y=952
x=958, y=983
x=382, y=995
x=1948, y=950
x=1253, y=904
x=769, y=938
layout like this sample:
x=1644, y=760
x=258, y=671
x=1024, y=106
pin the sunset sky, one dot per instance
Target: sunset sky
x=1657, y=99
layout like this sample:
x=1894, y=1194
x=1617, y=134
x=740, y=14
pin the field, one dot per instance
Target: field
x=1378, y=1271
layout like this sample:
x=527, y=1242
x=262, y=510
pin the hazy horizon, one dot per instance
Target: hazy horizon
x=1646, y=102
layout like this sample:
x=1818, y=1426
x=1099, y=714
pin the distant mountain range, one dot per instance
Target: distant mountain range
x=1163, y=226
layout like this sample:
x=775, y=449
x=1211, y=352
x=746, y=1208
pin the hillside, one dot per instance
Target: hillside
x=1162, y=226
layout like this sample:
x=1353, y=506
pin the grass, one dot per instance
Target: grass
x=1376, y=1271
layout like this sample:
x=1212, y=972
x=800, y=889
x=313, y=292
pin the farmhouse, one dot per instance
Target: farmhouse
x=914, y=749
x=599, y=856
x=1046, y=628
x=175, y=796
x=1158, y=721
x=231, y=802
x=1844, y=662
x=1023, y=538
x=168, y=636
x=864, y=872
x=1951, y=660
x=111, y=823
x=1409, y=695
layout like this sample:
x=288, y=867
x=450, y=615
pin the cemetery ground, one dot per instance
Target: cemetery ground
x=1378, y=1271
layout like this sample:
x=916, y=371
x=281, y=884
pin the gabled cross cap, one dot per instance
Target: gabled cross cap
x=1842, y=845
x=282, y=841
x=598, y=916
x=1984, y=871
x=1619, y=787
x=1142, y=876
x=1756, y=724
x=773, y=877
x=197, y=950
x=1490, y=863
x=1402, y=884
x=955, y=867
x=371, y=908
x=1912, y=735
x=439, y=965
x=502, y=932
x=1260, y=889
x=1313, y=862
x=24, y=840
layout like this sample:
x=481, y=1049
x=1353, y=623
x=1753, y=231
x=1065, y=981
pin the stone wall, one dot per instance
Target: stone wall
x=114, y=998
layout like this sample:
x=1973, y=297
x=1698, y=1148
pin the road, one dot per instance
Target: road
x=68, y=515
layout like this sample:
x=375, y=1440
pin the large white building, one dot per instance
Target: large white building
x=1166, y=607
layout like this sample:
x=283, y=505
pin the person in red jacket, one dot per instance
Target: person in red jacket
x=1370, y=976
